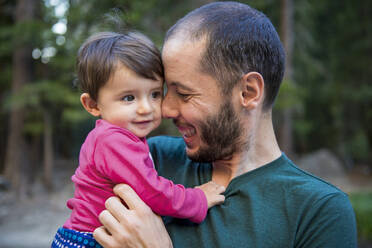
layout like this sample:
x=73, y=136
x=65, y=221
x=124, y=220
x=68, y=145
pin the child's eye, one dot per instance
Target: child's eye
x=156, y=94
x=128, y=98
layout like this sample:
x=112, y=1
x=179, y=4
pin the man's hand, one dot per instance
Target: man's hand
x=132, y=226
x=213, y=192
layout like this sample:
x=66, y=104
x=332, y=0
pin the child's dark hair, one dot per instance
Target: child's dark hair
x=99, y=55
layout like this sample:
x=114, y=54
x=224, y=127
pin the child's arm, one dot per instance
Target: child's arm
x=123, y=159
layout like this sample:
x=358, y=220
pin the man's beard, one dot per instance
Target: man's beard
x=221, y=135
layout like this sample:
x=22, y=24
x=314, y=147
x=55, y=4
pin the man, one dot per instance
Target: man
x=223, y=67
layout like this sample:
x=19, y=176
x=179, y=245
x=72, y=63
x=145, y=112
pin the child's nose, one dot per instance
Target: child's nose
x=144, y=107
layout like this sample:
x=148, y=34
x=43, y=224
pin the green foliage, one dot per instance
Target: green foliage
x=358, y=145
x=331, y=93
x=362, y=204
x=46, y=95
x=43, y=93
x=24, y=32
x=331, y=64
x=290, y=95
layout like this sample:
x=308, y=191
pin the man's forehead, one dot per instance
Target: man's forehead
x=182, y=43
x=171, y=46
x=180, y=58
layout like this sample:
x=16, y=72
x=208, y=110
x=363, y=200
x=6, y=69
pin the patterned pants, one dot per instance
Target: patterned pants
x=66, y=238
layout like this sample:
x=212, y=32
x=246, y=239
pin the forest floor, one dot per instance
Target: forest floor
x=33, y=221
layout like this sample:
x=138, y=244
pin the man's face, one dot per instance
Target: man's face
x=206, y=119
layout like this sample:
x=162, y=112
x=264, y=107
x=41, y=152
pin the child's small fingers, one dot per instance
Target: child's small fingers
x=220, y=189
x=219, y=199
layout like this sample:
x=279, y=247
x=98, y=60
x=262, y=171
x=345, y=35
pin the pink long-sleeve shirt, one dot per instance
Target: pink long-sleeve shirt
x=111, y=155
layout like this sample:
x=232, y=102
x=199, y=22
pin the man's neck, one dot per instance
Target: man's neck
x=262, y=149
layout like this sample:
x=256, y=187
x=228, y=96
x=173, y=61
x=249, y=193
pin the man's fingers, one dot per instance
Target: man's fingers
x=116, y=208
x=110, y=222
x=137, y=226
x=129, y=196
x=101, y=235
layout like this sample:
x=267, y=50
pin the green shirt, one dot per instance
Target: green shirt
x=276, y=205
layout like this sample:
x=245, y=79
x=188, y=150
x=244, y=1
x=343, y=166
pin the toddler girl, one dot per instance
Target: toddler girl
x=121, y=76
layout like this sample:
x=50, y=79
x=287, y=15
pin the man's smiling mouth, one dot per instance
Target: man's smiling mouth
x=187, y=131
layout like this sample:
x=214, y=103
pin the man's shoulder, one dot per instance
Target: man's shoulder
x=282, y=173
x=311, y=184
x=166, y=144
x=167, y=149
x=312, y=192
x=316, y=202
x=324, y=208
x=170, y=159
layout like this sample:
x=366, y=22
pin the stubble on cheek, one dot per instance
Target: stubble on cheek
x=220, y=135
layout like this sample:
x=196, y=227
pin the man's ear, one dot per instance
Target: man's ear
x=89, y=104
x=252, y=90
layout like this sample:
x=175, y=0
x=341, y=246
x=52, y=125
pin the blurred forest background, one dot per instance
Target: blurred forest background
x=325, y=101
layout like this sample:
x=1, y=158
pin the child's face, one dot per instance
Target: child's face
x=131, y=101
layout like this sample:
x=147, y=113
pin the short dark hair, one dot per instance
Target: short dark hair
x=239, y=39
x=98, y=57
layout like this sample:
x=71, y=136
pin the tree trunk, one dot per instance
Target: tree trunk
x=48, y=151
x=286, y=30
x=22, y=74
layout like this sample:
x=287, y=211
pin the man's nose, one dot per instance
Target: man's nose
x=144, y=107
x=169, y=107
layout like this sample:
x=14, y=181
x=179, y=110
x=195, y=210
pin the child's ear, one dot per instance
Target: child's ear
x=89, y=104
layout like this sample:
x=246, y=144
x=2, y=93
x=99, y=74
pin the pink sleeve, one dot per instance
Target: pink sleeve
x=126, y=160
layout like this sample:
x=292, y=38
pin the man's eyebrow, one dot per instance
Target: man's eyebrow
x=181, y=86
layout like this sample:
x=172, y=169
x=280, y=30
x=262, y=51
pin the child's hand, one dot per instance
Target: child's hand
x=213, y=193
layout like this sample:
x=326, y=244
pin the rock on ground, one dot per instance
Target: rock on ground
x=326, y=165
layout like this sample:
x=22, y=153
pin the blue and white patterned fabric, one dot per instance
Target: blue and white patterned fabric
x=66, y=238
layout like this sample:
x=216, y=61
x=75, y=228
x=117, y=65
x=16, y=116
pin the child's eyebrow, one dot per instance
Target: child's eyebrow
x=157, y=88
x=123, y=92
